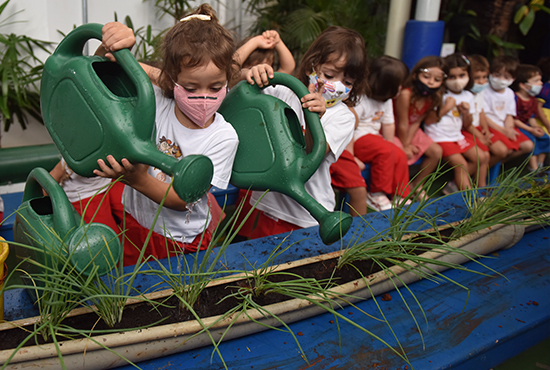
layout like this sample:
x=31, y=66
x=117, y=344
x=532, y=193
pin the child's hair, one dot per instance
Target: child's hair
x=506, y=62
x=478, y=63
x=386, y=75
x=430, y=61
x=332, y=44
x=194, y=42
x=258, y=56
x=459, y=60
x=523, y=73
x=544, y=65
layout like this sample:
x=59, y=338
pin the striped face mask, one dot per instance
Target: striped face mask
x=198, y=108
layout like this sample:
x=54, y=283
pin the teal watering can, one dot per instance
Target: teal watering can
x=272, y=149
x=51, y=225
x=93, y=107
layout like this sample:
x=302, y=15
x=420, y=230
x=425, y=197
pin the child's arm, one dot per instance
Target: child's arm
x=490, y=123
x=58, y=172
x=257, y=42
x=542, y=116
x=509, y=125
x=388, y=131
x=286, y=60
x=450, y=103
x=136, y=176
x=464, y=109
x=351, y=144
x=403, y=131
x=532, y=127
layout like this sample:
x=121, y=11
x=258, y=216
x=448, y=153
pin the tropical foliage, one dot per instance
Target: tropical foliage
x=20, y=73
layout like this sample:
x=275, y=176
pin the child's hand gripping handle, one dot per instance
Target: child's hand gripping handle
x=310, y=163
x=88, y=245
x=192, y=174
x=332, y=225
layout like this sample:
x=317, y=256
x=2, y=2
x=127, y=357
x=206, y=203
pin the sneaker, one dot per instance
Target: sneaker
x=450, y=188
x=378, y=201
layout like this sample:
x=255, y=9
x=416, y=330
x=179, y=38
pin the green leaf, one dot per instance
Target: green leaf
x=527, y=22
x=541, y=7
x=520, y=14
x=496, y=40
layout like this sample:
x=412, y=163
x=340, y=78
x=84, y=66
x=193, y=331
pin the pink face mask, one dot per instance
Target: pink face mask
x=198, y=108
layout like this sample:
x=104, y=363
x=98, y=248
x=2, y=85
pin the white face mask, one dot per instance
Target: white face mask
x=333, y=92
x=498, y=83
x=458, y=84
x=477, y=88
x=534, y=90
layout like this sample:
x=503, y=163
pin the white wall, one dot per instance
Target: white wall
x=42, y=19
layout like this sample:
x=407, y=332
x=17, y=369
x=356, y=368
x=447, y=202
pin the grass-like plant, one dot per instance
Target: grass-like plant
x=519, y=197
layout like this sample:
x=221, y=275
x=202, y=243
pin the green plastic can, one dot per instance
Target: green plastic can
x=52, y=227
x=93, y=107
x=272, y=149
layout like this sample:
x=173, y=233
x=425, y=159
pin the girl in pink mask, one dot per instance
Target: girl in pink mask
x=189, y=87
x=459, y=151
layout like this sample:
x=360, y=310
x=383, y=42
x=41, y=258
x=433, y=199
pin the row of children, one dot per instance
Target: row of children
x=458, y=109
x=198, y=64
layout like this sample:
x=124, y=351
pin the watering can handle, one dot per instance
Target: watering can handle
x=312, y=119
x=40, y=179
x=72, y=45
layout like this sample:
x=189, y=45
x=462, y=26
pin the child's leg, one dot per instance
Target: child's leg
x=345, y=174
x=460, y=169
x=401, y=176
x=499, y=151
x=478, y=165
x=97, y=209
x=357, y=200
x=432, y=157
x=380, y=154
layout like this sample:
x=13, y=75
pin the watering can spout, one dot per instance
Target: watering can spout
x=272, y=150
x=93, y=108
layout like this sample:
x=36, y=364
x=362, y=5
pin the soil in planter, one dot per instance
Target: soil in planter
x=208, y=304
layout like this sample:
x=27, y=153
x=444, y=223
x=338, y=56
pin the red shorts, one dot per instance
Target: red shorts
x=98, y=209
x=420, y=140
x=514, y=145
x=158, y=245
x=345, y=172
x=269, y=226
x=455, y=147
x=474, y=140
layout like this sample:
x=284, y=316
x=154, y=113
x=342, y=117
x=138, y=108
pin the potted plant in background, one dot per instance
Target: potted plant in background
x=20, y=73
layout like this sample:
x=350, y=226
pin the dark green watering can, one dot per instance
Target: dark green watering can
x=272, y=149
x=93, y=107
x=51, y=225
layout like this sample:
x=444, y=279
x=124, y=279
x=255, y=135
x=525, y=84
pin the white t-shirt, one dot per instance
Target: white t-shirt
x=449, y=127
x=218, y=142
x=338, y=124
x=372, y=115
x=499, y=105
x=479, y=106
x=78, y=188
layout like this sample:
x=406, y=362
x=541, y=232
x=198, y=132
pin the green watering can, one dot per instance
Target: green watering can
x=272, y=149
x=51, y=225
x=93, y=107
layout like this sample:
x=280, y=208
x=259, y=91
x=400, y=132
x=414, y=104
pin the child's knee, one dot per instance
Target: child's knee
x=434, y=151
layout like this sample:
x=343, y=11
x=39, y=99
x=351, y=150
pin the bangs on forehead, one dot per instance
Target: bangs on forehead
x=354, y=64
